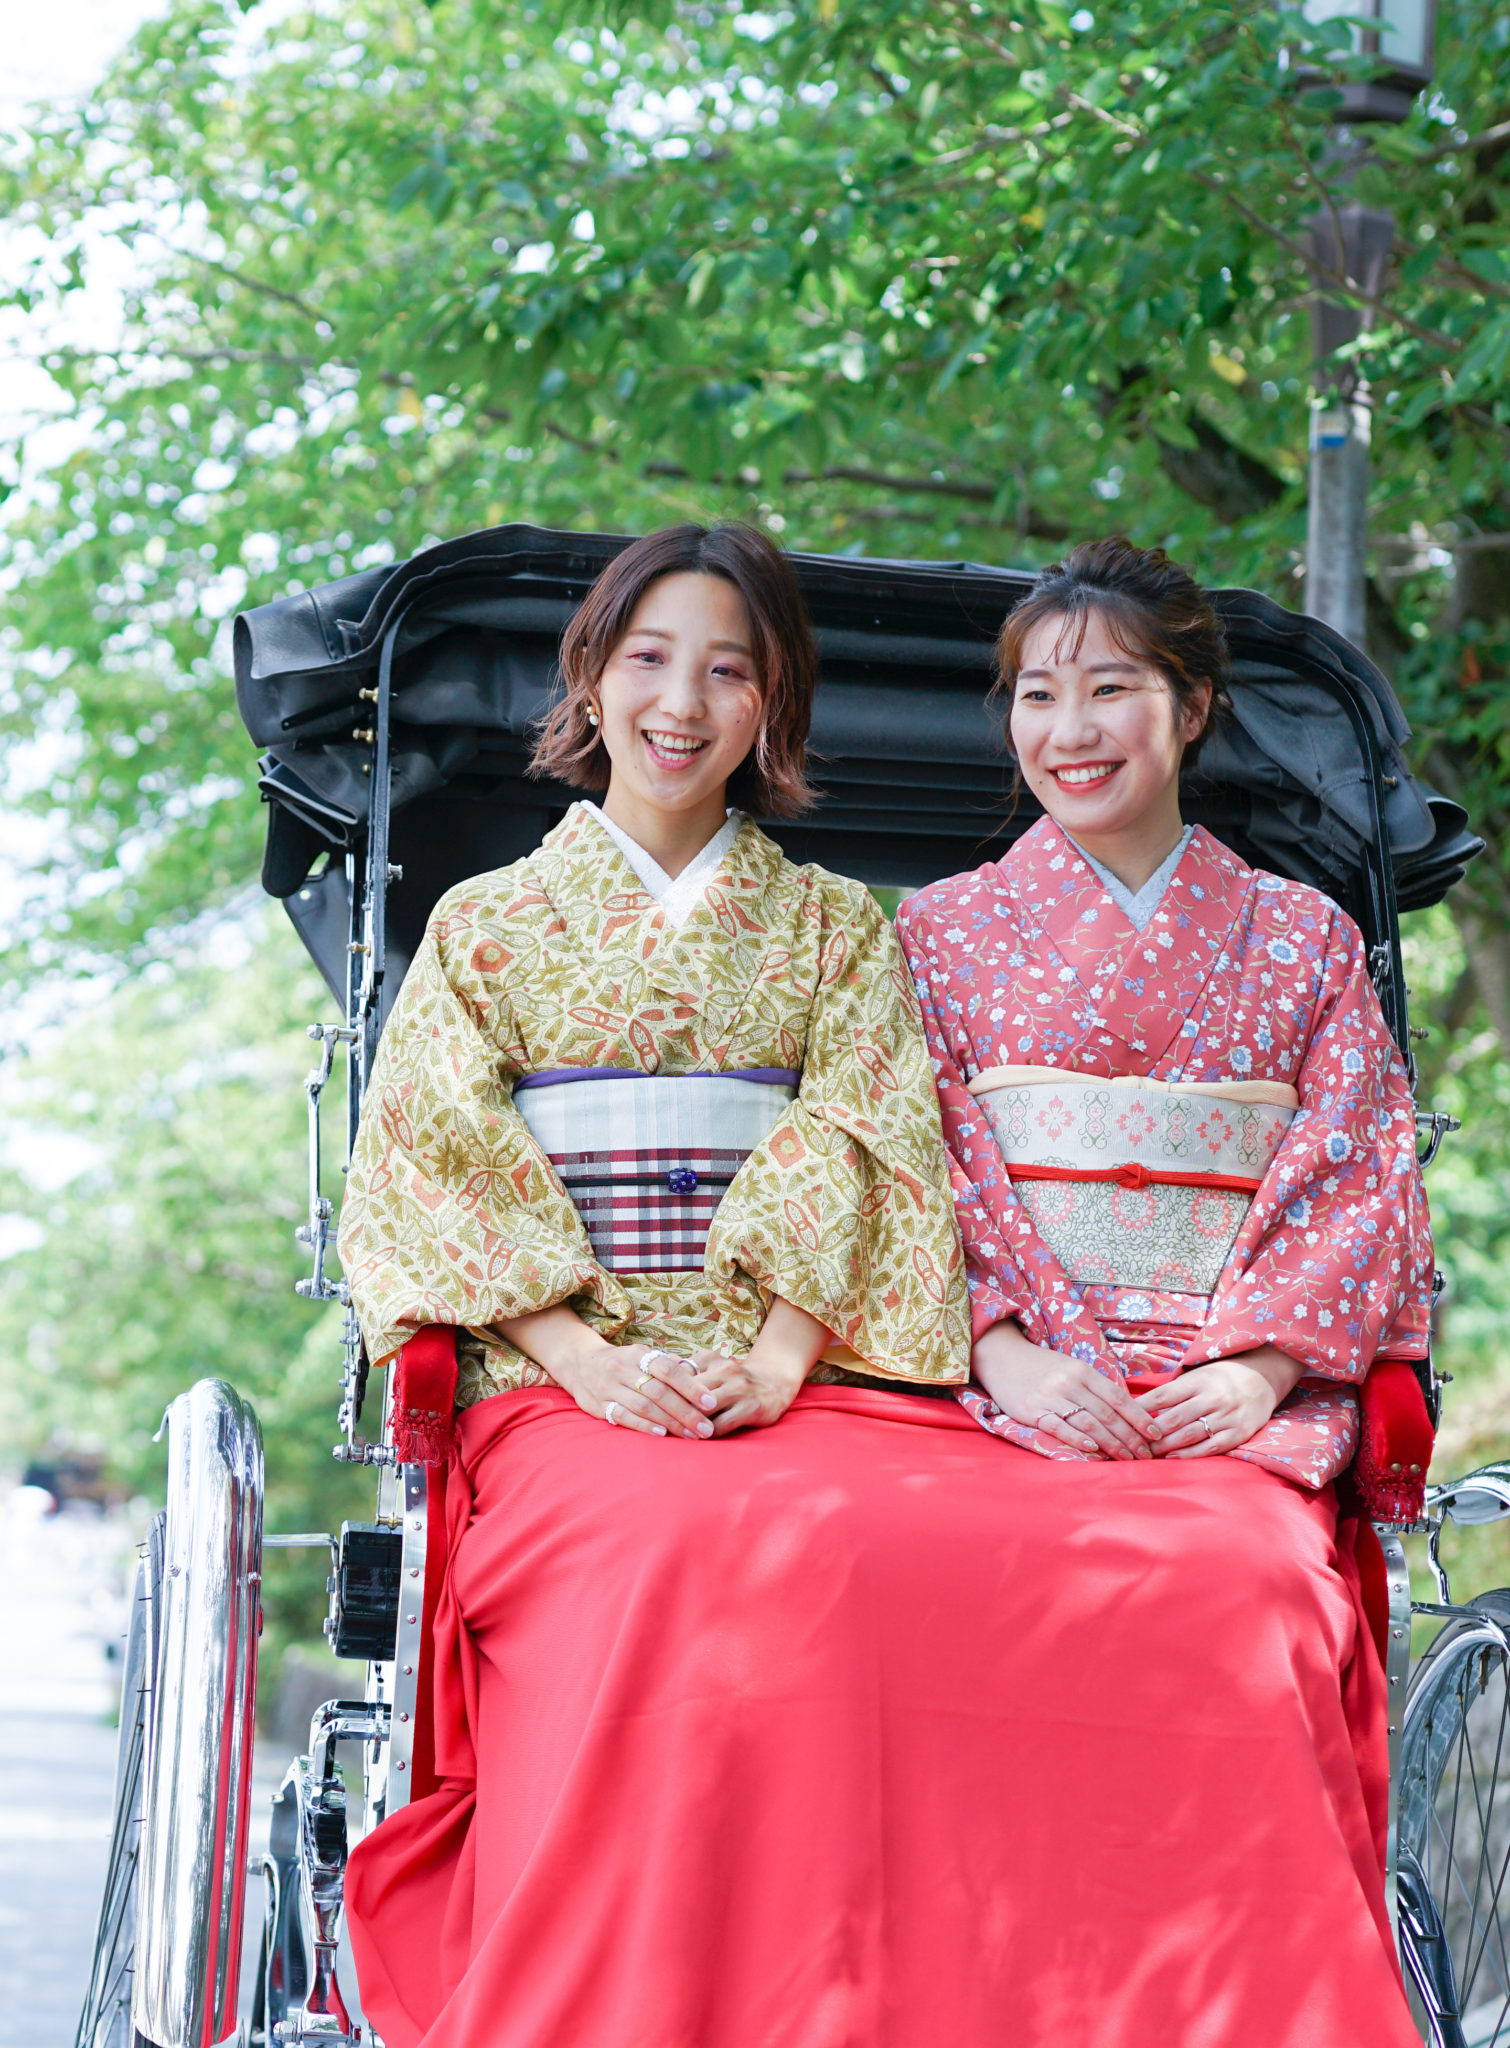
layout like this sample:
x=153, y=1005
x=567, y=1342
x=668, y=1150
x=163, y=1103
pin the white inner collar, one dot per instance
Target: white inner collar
x=678, y=895
x=1139, y=905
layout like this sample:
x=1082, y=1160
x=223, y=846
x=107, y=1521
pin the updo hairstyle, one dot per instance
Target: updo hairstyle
x=1153, y=610
x=770, y=780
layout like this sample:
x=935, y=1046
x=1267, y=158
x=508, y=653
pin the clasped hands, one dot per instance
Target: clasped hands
x=705, y=1395
x=1197, y=1414
x=639, y=1386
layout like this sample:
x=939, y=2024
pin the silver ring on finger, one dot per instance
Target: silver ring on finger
x=1078, y=1409
x=611, y=1413
x=1201, y=1419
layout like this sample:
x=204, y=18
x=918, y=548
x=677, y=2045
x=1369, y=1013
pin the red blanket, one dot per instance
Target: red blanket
x=871, y=1731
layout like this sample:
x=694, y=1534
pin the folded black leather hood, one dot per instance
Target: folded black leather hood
x=1307, y=776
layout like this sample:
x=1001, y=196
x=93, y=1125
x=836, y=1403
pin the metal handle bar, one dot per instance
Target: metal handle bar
x=1437, y=1125
x=1479, y=1496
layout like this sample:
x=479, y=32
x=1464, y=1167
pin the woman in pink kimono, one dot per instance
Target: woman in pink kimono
x=1182, y=1143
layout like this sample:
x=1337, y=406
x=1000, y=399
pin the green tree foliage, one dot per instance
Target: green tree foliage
x=1464, y=1071
x=155, y=1147
x=897, y=279
x=944, y=280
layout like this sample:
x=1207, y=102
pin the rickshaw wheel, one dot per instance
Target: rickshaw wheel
x=106, y=2020
x=1454, y=1831
x=167, y=1954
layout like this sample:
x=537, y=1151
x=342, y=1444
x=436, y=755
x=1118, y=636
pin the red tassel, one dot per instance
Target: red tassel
x=1390, y=1471
x=424, y=1397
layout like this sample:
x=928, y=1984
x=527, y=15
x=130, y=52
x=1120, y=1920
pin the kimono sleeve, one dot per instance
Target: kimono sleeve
x=844, y=1209
x=452, y=1213
x=1334, y=1260
x=1011, y=1274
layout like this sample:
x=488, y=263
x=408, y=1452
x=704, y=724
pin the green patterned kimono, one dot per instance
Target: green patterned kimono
x=454, y=1215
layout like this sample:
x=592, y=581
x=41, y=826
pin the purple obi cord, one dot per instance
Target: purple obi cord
x=771, y=1076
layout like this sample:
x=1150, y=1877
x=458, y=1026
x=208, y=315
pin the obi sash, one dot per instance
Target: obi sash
x=647, y=1158
x=1133, y=1183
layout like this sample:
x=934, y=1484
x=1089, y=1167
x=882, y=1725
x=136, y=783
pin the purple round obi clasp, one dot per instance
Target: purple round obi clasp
x=682, y=1180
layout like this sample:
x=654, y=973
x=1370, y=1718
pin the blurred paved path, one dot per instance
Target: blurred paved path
x=65, y=1583
x=56, y=1778
x=62, y=1606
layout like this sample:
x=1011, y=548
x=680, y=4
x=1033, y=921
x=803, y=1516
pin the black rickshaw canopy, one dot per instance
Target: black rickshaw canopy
x=1307, y=776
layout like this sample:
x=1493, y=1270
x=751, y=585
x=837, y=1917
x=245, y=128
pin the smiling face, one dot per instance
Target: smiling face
x=680, y=701
x=1099, y=735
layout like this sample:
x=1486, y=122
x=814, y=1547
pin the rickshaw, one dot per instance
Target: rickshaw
x=394, y=710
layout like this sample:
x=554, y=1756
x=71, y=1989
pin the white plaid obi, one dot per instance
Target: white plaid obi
x=646, y=1158
x=1134, y=1183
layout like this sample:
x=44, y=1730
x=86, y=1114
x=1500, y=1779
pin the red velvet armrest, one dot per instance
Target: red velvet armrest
x=1395, y=1448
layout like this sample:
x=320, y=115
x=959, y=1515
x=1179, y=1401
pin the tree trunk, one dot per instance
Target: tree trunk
x=1487, y=944
x=1480, y=904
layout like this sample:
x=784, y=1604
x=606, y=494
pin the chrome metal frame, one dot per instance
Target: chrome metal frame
x=315, y=1232
x=313, y=1798
x=368, y=874
x=192, y=1873
x=1397, y=1677
x=1432, y=1126
x=411, y=1612
x=385, y=1721
x=401, y=1491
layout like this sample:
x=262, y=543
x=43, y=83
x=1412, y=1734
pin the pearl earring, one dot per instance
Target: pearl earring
x=592, y=717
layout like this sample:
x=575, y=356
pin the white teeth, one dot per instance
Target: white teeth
x=674, y=743
x=1079, y=775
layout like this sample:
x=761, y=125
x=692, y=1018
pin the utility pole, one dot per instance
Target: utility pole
x=1349, y=248
x=1350, y=243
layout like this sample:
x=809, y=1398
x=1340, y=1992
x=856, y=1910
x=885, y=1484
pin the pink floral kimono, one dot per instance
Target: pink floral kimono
x=1259, y=1187
x=1169, y=1146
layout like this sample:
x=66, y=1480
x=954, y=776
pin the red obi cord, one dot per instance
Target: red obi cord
x=1133, y=1175
x=424, y=1397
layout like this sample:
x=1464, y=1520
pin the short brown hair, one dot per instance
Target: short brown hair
x=770, y=780
x=1154, y=610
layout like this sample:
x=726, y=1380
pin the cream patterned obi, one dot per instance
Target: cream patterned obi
x=647, y=1158
x=1133, y=1183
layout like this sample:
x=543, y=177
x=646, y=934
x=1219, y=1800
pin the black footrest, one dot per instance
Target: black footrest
x=363, y=1620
